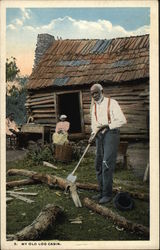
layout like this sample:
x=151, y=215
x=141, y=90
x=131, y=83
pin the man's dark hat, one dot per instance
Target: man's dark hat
x=123, y=201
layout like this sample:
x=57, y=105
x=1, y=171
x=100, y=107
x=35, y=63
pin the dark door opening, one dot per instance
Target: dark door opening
x=69, y=104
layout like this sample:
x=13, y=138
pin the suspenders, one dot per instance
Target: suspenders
x=108, y=111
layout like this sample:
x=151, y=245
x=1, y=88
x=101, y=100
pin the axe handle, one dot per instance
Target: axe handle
x=74, y=170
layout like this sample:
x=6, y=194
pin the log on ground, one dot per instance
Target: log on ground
x=46, y=218
x=50, y=180
x=137, y=195
x=17, y=183
x=119, y=220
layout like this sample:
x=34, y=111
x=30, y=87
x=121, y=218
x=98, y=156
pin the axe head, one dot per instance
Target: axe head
x=72, y=178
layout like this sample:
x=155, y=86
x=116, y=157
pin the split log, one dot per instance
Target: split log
x=119, y=220
x=34, y=231
x=11, y=184
x=50, y=180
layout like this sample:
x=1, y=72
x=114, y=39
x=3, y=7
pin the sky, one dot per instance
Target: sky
x=24, y=24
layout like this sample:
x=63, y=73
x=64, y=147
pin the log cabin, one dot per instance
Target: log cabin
x=64, y=71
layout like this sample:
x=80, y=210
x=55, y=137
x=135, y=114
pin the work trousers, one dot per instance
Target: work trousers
x=106, y=154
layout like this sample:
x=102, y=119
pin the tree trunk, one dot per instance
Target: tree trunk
x=34, y=231
x=119, y=220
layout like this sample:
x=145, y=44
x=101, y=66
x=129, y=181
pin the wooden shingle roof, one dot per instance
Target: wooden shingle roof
x=78, y=62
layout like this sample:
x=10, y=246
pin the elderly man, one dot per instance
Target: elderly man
x=107, y=117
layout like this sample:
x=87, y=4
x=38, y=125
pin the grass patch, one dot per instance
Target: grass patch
x=93, y=226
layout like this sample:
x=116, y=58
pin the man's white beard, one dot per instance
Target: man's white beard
x=100, y=99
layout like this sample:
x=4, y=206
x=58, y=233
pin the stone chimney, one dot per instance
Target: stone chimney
x=43, y=43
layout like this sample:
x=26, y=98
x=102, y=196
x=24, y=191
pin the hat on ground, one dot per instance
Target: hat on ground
x=63, y=117
x=123, y=201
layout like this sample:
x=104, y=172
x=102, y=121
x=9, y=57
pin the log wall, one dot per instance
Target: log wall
x=133, y=99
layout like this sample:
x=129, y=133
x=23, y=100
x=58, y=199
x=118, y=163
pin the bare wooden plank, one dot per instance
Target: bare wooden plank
x=21, y=193
x=19, y=197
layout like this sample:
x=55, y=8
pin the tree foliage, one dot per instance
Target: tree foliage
x=11, y=69
x=15, y=103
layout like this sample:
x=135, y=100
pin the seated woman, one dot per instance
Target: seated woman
x=11, y=130
x=61, y=133
x=15, y=138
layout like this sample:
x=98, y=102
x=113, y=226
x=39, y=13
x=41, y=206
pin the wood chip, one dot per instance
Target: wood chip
x=45, y=163
x=76, y=222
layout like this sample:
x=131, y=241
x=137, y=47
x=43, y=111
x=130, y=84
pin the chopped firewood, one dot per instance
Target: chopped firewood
x=28, y=181
x=45, y=163
x=58, y=194
x=50, y=180
x=119, y=220
x=34, y=231
x=75, y=196
x=76, y=222
x=9, y=199
x=19, y=197
x=21, y=193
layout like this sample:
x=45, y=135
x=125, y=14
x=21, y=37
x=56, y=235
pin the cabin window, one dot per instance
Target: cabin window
x=69, y=104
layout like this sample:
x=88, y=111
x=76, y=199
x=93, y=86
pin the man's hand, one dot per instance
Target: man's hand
x=101, y=127
x=91, y=138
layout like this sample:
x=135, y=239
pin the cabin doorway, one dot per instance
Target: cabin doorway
x=69, y=104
